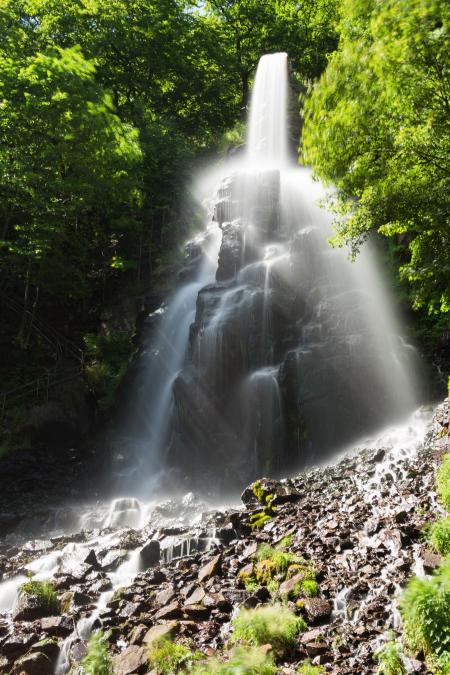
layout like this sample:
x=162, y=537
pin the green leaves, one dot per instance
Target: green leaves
x=378, y=127
x=66, y=156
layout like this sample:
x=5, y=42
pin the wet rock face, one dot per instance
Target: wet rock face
x=280, y=338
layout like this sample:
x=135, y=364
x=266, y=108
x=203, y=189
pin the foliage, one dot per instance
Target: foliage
x=66, y=158
x=272, y=624
x=168, y=657
x=97, y=660
x=443, y=482
x=108, y=357
x=243, y=661
x=281, y=560
x=390, y=659
x=377, y=126
x=246, y=29
x=309, y=588
x=307, y=668
x=265, y=499
x=424, y=608
x=44, y=590
x=438, y=535
x=286, y=542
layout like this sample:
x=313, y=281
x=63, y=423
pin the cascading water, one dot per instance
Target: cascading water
x=160, y=359
x=277, y=350
x=294, y=351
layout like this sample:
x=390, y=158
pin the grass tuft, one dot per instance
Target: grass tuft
x=307, y=668
x=168, y=657
x=243, y=661
x=443, y=482
x=272, y=624
x=281, y=560
x=390, y=660
x=424, y=608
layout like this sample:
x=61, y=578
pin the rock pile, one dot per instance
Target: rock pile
x=357, y=524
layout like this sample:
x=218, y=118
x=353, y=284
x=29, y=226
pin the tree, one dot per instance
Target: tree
x=378, y=128
x=250, y=28
x=68, y=166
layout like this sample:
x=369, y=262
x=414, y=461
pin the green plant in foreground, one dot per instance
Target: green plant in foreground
x=390, y=659
x=307, y=668
x=309, y=587
x=443, y=482
x=272, y=624
x=44, y=590
x=425, y=610
x=281, y=560
x=168, y=657
x=438, y=535
x=243, y=661
x=97, y=660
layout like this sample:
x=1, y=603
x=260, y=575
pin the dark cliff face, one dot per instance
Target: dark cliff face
x=281, y=367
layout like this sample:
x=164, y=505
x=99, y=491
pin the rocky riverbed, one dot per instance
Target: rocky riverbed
x=179, y=568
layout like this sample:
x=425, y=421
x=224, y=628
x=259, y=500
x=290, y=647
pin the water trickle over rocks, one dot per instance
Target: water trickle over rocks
x=357, y=522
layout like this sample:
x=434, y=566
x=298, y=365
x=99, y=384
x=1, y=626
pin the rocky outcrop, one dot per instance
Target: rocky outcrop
x=282, y=336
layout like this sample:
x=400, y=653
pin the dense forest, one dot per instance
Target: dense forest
x=109, y=107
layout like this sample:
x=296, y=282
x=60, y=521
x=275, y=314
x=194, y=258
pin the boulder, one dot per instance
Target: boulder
x=171, y=611
x=196, y=612
x=113, y=559
x=317, y=610
x=150, y=554
x=56, y=626
x=196, y=597
x=35, y=663
x=132, y=660
x=210, y=569
x=163, y=630
x=31, y=607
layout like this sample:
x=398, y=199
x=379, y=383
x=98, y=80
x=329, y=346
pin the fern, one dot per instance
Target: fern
x=97, y=660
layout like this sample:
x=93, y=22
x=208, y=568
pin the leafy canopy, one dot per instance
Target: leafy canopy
x=378, y=127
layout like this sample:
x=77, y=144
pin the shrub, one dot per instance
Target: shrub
x=273, y=624
x=44, y=590
x=443, y=482
x=243, y=661
x=424, y=608
x=281, y=560
x=97, y=660
x=307, y=668
x=309, y=587
x=390, y=659
x=167, y=657
x=438, y=536
x=107, y=362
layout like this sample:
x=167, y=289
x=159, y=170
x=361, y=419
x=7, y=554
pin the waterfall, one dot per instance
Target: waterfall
x=279, y=351
x=267, y=130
